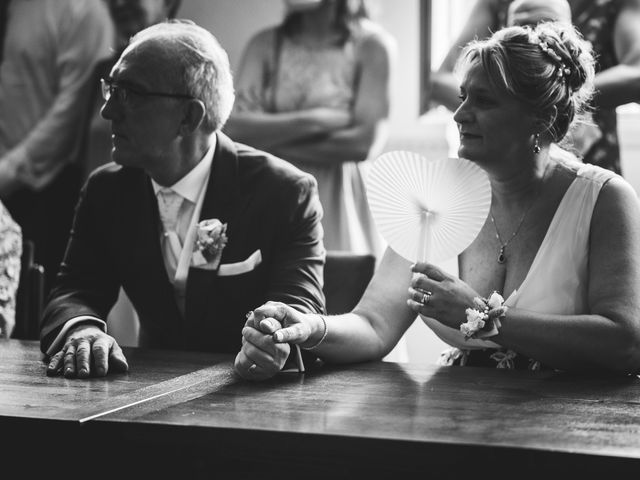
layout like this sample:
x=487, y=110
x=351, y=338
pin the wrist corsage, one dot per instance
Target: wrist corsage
x=483, y=320
x=211, y=239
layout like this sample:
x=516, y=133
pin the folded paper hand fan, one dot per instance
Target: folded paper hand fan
x=427, y=210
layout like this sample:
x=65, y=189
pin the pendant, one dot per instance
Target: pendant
x=501, y=257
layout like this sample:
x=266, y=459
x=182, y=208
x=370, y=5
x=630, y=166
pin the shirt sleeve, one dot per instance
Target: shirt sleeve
x=59, y=340
x=87, y=285
x=84, y=36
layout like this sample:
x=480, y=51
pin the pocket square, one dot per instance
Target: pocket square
x=237, y=268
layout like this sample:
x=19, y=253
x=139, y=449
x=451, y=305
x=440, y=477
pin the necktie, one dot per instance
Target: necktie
x=169, y=204
x=4, y=19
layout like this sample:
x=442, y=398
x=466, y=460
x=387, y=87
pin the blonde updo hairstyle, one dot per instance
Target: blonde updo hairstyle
x=548, y=67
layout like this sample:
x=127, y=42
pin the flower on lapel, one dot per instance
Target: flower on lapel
x=211, y=239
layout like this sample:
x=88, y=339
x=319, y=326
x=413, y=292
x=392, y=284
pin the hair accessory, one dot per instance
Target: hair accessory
x=562, y=69
x=324, y=335
x=483, y=320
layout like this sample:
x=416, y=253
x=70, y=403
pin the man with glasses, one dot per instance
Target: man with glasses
x=129, y=17
x=197, y=229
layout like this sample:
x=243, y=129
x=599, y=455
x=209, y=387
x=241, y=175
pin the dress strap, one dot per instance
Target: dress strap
x=595, y=173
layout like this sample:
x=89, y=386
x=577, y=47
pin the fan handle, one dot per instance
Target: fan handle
x=424, y=243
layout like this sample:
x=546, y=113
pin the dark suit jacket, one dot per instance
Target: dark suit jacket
x=267, y=203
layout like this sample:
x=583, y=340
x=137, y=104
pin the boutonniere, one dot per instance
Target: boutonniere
x=211, y=239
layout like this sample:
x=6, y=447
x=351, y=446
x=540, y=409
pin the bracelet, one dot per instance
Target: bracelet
x=324, y=335
x=483, y=320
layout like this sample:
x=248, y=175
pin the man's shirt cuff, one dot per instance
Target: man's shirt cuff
x=59, y=340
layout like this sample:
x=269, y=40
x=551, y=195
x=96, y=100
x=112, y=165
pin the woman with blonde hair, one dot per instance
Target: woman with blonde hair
x=551, y=280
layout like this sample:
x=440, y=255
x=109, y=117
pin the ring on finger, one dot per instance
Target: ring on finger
x=426, y=296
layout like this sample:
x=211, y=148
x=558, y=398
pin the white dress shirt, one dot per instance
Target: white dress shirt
x=192, y=189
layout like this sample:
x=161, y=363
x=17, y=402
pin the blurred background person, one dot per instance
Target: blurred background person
x=613, y=29
x=486, y=17
x=532, y=12
x=10, y=253
x=49, y=50
x=132, y=16
x=315, y=90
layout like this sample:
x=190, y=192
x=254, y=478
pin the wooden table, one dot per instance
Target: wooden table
x=186, y=415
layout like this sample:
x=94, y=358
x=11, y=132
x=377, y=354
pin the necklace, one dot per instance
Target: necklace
x=503, y=245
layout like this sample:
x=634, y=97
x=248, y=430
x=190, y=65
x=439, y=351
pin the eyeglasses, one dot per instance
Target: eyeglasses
x=123, y=92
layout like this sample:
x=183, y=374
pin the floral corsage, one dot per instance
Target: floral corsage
x=211, y=239
x=483, y=320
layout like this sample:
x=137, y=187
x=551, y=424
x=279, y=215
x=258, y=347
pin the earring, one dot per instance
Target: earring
x=536, y=143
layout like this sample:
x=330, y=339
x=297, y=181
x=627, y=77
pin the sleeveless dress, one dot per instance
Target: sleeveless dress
x=556, y=282
x=326, y=77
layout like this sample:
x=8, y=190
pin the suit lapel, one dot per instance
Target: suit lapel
x=220, y=201
x=221, y=194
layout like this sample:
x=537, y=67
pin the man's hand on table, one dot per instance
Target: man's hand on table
x=87, y=351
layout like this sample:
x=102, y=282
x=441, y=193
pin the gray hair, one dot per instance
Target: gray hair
x=200, y=63
x=548, y=67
